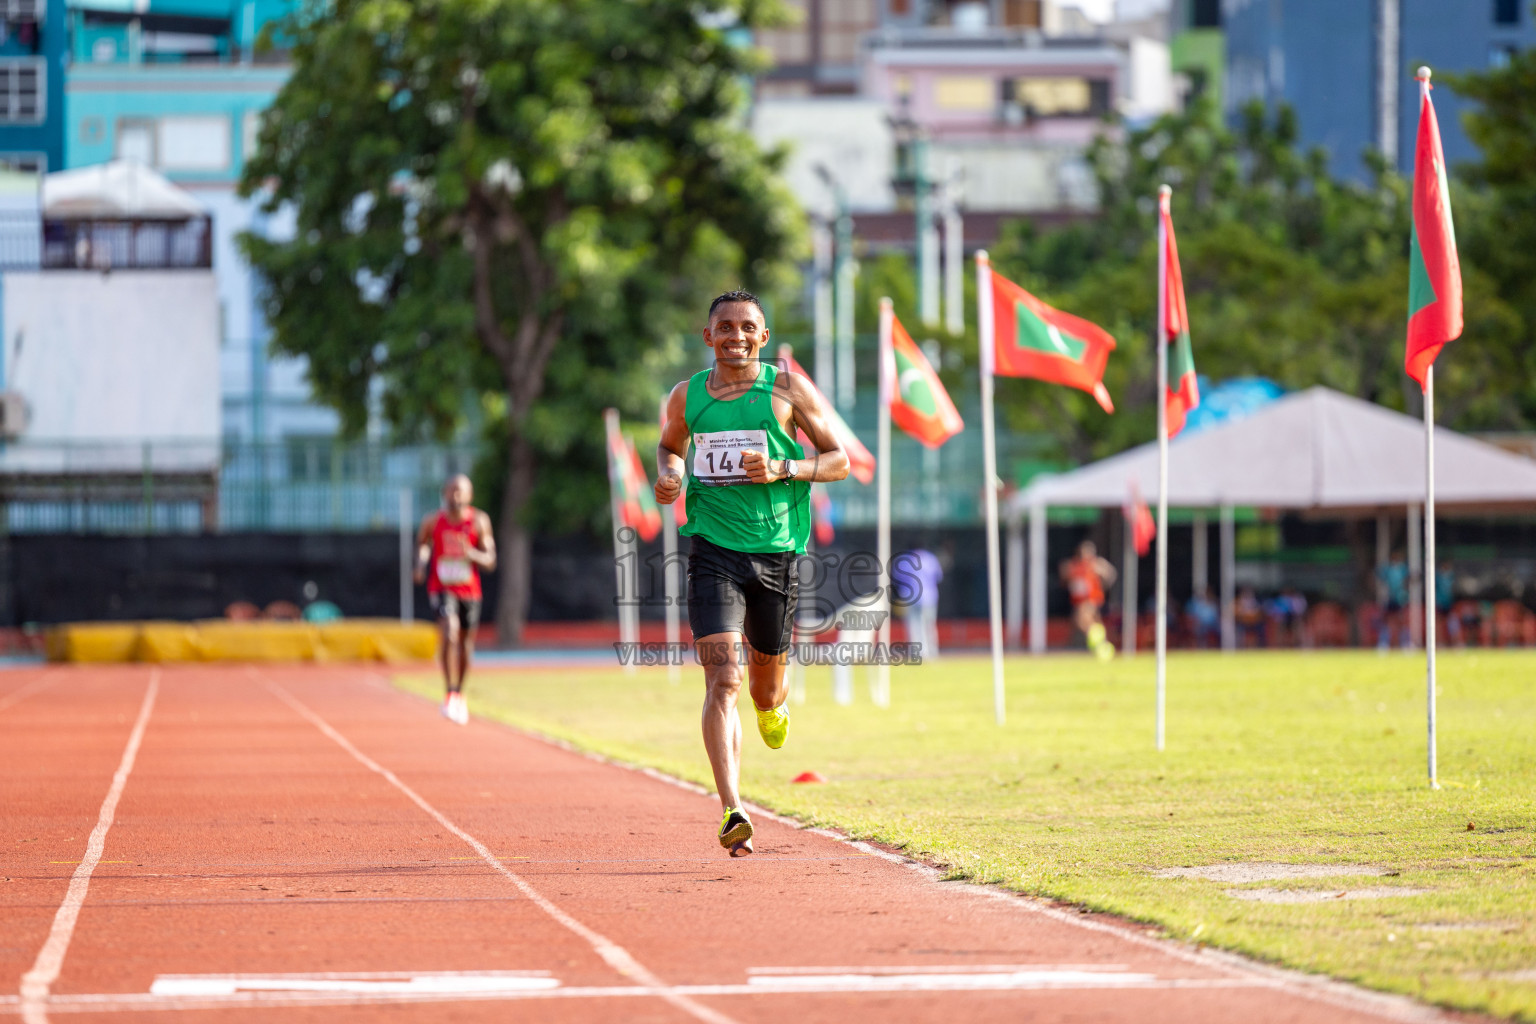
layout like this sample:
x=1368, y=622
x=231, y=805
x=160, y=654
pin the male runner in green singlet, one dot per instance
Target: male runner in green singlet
x=732, y=431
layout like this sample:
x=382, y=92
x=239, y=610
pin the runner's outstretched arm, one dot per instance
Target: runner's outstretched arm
x=485, y=555
x=828, y=465
x=673, y=448
x=423, y=548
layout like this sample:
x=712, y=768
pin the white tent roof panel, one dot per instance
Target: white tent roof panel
x=120, y=190
x=1315, y=449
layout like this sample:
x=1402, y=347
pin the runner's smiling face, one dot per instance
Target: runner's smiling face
x=737, y=333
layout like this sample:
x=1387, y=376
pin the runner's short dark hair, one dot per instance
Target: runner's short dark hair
x=739, y=295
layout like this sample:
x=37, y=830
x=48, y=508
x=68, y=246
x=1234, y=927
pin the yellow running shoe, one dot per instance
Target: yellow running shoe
x=736, y=832
x=773, y=725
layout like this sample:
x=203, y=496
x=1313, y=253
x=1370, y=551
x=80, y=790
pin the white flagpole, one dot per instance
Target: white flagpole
x=882, y=666
x=1429, y=566
x=1429, y=534
x=1164, y=197
x=669, y=578
x=620, y=548
x=984, y=327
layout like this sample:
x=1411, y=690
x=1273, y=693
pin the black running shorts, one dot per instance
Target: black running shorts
x=738, y=592
x=450, y=606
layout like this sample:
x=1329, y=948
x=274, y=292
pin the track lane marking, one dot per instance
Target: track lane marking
x=1022, y=982
x=21, y=693
x=37, y=983
x=611, y=953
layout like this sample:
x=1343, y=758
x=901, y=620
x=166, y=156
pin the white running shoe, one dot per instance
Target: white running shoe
x=461, y=709
x=447, y=709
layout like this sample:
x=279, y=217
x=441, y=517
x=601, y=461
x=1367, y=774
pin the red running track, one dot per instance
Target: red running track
x=297, y=844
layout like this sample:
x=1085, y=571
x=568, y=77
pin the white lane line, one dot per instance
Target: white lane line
x=1243, y=971
x=37, y=983
x=442, y=983
x=1021, y=982
x=612, y=953
x=21, y=693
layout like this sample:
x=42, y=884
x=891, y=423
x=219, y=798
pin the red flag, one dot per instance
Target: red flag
x=821, y=514
x=1434, y=269
x=1031, y=339
x=1183, y=389
x=919, y=403
x=626, y=474
x=1138, y=519
x=860, y=462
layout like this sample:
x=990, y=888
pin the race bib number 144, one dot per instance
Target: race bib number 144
x=717, y=455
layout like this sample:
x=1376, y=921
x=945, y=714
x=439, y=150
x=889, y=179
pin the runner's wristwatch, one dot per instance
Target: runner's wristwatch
x=791, y=469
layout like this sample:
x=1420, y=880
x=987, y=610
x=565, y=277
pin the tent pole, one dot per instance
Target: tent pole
x=1129, y=586
x=1228, y=529
x=1429, y=575
x=1415, y=579
x=1037, y=556
x=1161, y=626
x=1015, y=580
x=989, y=483
x=1201, y=561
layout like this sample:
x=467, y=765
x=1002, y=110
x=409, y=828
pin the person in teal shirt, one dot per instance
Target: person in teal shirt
x=1394, y=585
x=731, y=431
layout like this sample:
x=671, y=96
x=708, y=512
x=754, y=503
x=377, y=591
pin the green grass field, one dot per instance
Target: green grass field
x=1300, y=758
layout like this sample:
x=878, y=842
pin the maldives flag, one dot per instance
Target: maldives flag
x=1183, y=391
x=1030, y=339
x=919, y=404
x=860, y=462
x=1434, y=270
x=626, y=475
x=1138, y=519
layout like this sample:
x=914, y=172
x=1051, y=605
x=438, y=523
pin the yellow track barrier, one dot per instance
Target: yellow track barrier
x=348, y=640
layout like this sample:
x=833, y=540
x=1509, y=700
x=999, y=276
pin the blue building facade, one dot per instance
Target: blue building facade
x=1347, y=68
x=34, y=42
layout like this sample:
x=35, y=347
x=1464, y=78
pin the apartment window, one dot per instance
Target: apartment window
x=23, y=84
x=964, y=93
x=194, y=143
x=136, y=141
x=1054, y=97
x=1205, y=14
x=1022, y=13
x=21, y=10
x=1506, y=12
x=24, y=163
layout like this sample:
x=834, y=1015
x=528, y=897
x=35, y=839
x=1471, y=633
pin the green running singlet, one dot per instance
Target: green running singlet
x=724, y=506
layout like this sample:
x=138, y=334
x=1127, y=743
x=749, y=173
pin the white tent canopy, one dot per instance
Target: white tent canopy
x=1317, y=449
x=120, y=190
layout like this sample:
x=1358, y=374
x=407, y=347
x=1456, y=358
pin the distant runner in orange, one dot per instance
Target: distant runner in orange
x=457, y=542
x=1086, y=576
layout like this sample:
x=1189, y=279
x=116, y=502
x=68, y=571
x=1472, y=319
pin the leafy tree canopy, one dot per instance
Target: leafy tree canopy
x=502, y=210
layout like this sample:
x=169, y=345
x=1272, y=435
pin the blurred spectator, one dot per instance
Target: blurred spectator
x=1204, y=619
x=915, y=577
x=1288, y=611
x=1250, y=619
x=1393, y=580
x=1445, y=602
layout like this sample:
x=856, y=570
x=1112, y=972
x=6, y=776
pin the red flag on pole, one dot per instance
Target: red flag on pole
x=919, y=403
x=1032, y=339
x=1434, y=269
x=1183, y=390
x=626, y=474
x=860, y=462
x=821, y=514
x=1138, y=519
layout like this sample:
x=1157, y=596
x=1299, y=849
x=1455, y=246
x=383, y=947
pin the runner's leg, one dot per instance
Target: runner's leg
x=470, y=624
x=721, y=724
x=452, y=676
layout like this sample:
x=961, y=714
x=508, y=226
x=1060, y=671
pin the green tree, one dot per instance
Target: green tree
x=502, y=209
x=1289, y=274
x=1500, y=234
